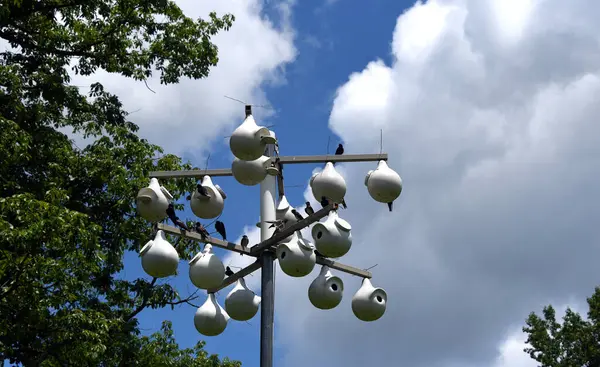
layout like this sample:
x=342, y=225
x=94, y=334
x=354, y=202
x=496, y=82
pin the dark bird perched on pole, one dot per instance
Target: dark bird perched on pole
x=228, y=271
x=244, y=242
x=324, y=201
x=344, y=204
x=339, y=151
x=297, y=215
x=278, y=223
x=198, y=227
x=174, y=218
x=309, y=209
x=220, y=227
x=390, y=205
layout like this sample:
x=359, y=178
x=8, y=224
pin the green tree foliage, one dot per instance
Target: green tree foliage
x=574, y=343
x=67, y=213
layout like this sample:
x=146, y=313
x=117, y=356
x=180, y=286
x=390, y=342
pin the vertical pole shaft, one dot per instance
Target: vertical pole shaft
x=268, y=188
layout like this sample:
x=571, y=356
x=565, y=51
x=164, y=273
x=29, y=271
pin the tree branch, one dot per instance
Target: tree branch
x=143, y=304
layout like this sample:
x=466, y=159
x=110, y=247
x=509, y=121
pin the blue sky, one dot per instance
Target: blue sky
x=303, y=103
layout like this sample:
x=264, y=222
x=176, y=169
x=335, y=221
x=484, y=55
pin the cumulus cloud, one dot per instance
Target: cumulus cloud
x=489, y=115
x=183, y=117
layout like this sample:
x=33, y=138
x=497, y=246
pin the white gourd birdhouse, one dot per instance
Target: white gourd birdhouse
x=241, y=303
x=248, y=141
x=206, y=269
x=296, y=257
x=250, y=173
x=284, y=212
x=159, y=257
x=369, y=303
x=210, y=318
x=326, y=291
x=383, y=183
x=211, y=206
x=152, y=201
x=332, y=237
x=328, y=183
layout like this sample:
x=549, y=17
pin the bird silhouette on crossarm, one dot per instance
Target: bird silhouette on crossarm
x=309, y=209
x=220, y=227
x=198, y=227
x=244, y=242
x=297, y=215
x=174, y=218
x=339, y=150
x=228, y=271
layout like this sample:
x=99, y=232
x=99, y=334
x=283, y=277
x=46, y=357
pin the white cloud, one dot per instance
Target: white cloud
x=185, y=117
x=489, y=115
x=511, y=352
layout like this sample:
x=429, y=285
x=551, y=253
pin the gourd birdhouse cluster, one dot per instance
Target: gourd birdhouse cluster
x=206, y=269
x=329, y=184
x=209, y=203
x=252, y=173
x=369, y=303
x=326, y=291
x=241, y=303
x=159, y=257
x=152, y=201
x=332, y=237
x=249, y=140
x=384, y=184
x=297, y=257
x=210, y=318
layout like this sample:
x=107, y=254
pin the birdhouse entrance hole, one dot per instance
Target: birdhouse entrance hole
x=379, y=299
x=283, y=255
x=319, y=235
x=334, y=287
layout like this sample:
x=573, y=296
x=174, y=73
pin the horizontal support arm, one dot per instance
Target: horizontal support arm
x=199, y=173
x=194, y=173
x=278, y=237
x=333, y=158
x=197, y=237
x=240, y=274
x=343, y=268
x=259, y=247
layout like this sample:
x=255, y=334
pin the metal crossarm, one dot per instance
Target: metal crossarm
x=257, y=249
x=240, y=274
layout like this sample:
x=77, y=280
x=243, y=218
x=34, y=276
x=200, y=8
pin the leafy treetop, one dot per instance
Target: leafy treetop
x=67, y=214
x=574, y=343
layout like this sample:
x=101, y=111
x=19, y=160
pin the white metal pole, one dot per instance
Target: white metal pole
x=268, y=192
